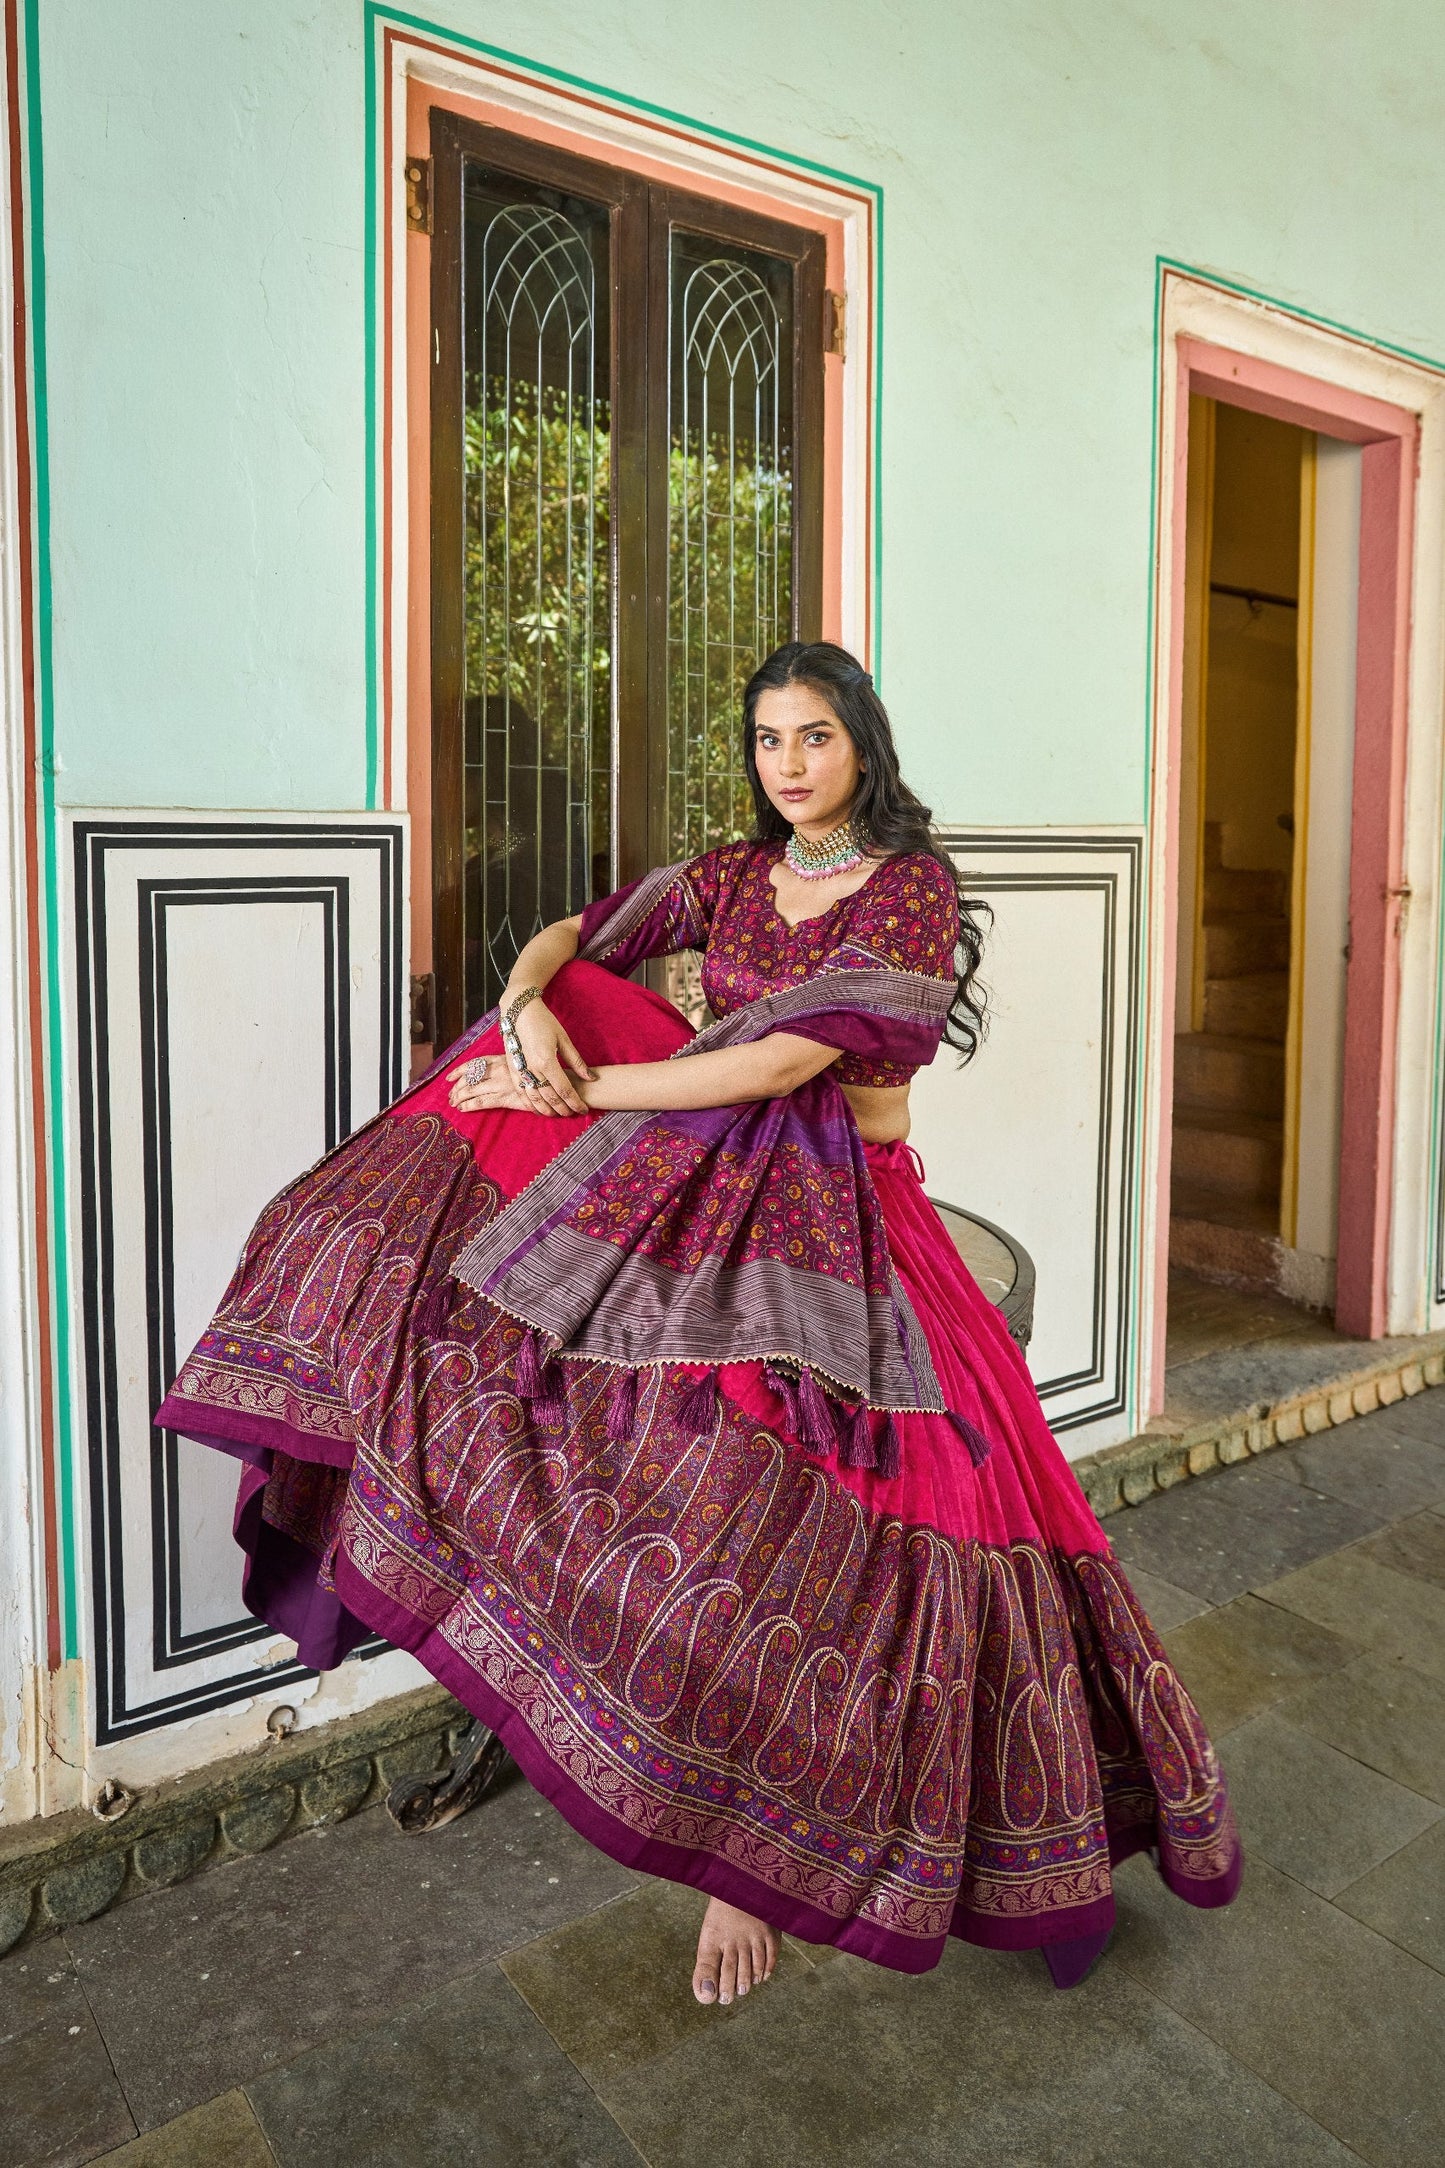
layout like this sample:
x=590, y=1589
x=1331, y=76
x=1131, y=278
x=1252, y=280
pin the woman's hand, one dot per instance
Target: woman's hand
x=489, y=1084
x=484, y=1084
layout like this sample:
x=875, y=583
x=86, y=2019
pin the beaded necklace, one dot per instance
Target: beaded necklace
x=839, y=852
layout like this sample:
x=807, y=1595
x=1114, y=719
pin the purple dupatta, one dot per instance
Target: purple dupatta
x=726, y=1234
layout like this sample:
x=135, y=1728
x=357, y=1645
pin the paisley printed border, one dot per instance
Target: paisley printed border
x=699, y=1803
x=727, y=1662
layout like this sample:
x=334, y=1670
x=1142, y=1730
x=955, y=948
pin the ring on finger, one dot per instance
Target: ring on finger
x=477, y=1070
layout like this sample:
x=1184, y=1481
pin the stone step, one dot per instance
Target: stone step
x=1234, y=1155
x=1313, y=1388
x=1255, y=1005
x=1244, y=942
x=1225, y=1073
x=1243, y=888
x=1212, y=1249
x=1257, y=1216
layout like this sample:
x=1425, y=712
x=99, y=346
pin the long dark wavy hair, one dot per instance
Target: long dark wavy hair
x=886, y=816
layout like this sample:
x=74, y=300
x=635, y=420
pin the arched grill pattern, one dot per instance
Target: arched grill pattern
x=537, y=708
x=729, y=558
x=626, y=515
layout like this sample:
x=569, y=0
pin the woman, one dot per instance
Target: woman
x=628, y=1378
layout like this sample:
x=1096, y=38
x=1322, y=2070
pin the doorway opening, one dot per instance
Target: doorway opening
x=1266, y=779
x=1334, y=1231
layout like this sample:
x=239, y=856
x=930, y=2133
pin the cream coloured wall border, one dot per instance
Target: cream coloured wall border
x=612, y=126
x=1192, y=306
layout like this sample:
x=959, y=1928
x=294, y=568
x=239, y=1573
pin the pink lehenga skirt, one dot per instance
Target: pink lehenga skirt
x=874, y=1711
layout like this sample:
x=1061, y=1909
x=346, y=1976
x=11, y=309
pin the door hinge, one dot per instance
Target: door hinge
x=423, y=1009
x=835, y=324
x=418, y=195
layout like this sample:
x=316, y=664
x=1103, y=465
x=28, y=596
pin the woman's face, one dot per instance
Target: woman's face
x=807, y=763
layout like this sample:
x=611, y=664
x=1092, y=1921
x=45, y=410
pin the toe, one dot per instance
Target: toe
x=728, y=1976
x=745, y=1968
x=705, y=1971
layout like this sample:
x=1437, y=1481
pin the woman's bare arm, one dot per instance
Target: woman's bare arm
x=568, y=1085
x=548, y=1050
x=543, y=957
x=730, y=1077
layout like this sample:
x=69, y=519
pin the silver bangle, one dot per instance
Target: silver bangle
x=511, y=1042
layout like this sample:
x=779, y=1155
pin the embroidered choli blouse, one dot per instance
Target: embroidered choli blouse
x=904, y=917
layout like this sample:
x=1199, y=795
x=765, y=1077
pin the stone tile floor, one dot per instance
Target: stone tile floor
x=499, y=1993
x=1229, y=1351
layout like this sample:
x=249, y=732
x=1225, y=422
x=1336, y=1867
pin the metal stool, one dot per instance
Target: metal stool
x=998, y=1261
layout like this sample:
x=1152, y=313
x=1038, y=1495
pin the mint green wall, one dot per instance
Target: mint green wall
x=203, y=246
x=203, y=257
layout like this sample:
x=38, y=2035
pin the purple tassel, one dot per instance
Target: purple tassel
x=537, y=1381
x=784, y=1387
x=527, y=1368
x=622, y=1407
x=890, y=1450
x=856, y=1449
x=816, y=1426
x=979, y=1447
x=697, y=1410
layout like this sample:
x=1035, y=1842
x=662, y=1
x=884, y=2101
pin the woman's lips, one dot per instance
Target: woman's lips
x=795, y=793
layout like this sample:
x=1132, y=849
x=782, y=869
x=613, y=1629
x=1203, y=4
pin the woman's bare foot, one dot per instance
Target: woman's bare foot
x=734, y=1953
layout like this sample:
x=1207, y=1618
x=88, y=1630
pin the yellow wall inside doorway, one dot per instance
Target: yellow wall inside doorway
x=1249, y=723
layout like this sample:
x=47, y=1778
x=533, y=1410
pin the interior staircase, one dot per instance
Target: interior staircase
x=1229, y=1081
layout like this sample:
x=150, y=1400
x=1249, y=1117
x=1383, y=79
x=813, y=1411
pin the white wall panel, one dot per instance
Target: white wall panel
x=1038, y=1133
x=239, y=1009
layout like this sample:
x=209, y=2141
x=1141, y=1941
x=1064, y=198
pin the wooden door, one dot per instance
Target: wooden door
x=626, y=516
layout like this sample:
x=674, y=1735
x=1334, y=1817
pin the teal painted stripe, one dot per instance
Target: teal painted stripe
x=1151, y=623
x=377, y=13
x=68, y=1527
x=373, y=433
x=1146, y=920
x=877, y=612
x=1295, y=308
x=398, y=16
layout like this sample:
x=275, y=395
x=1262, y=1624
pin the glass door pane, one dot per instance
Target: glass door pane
x=731, y=451
x=536, y=805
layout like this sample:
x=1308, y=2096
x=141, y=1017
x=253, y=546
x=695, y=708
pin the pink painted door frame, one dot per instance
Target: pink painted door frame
x=1389, y=437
